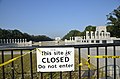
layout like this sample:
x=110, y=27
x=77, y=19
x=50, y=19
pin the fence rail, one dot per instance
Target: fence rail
x=25, y=67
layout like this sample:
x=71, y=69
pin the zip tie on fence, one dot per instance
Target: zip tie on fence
x=86, y=63
x=100, y=56
x=11, y=60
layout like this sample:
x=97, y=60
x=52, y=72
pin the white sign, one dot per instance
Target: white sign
x=55, y=59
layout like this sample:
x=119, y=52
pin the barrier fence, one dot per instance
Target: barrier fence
x=92, y=61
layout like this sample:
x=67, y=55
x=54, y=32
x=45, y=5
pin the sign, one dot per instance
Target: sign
x=55, y=59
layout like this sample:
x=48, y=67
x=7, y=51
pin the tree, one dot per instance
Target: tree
x=40, y=38
x=16, y=34
x=90, y=28
x=114, y=22
x=72, y=33
x=110, y=29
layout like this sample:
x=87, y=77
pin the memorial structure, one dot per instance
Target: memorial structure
x=15, y=42
x=99, y=36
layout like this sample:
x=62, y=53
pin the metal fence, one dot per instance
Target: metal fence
x=25, y=67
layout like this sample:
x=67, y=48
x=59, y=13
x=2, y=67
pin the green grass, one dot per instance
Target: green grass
x=26, y=67
x=17, y=66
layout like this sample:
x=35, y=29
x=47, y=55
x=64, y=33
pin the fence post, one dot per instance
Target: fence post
x=114, y=62
x=97, y=64
x=70, y=73
x=41, y=75
x=89, y=63
x=31, y=68
x=50, y=75
x=60, y=75
x=106, y=62
x=22, y=64
x=3, y=70
x=13, y=76
x=79, y=63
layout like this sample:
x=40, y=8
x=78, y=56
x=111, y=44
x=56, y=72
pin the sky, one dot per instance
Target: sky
x=54, y=18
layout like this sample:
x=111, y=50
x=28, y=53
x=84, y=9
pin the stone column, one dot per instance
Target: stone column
x=91, y=35
x=96, y=35
x=23, y=40
x=12, y=40
x=7, y=41
x=15, y=41
x=87, y=35
x=18, y=41
x=84, y=37
x=70, y=38
x=99, y=35
x=4, y=41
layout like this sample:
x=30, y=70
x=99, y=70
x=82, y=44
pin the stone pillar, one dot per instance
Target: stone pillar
x=7, y=41
x=96, y=35
x=70, y=38
x=12, y=40
x=101, y=34
x=65, y=40
x=87, y=35
x=23, y=40
x=84, y=37
x=4, y=41
x=91, y=35
x=15, y=41
x=18, y=41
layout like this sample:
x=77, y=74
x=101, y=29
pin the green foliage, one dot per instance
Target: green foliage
x=90, y=28
x=16, y=34
x=114, y=22
x=72, y=33
x=40, y=38
x=110, y=29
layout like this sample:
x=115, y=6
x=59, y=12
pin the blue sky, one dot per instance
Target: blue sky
x=54, y=17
